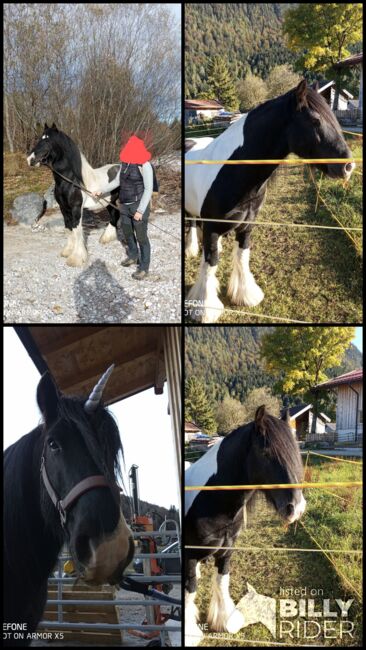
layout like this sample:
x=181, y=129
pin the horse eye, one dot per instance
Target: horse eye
x=53, y=445
x=315, y=121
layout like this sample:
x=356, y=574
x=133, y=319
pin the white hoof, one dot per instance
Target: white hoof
x=249, y=295
x=76, y=260
x=235, y=622
x=67, y=250
x=203, y=304
x=204, y=312
x=110, y=234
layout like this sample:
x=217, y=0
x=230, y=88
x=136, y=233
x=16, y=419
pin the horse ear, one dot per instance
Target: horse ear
x=259, y=417
x=46, y=126
x=286, y=416
x=47, y=397
x=301, y=95
x=54, y=127
x=316, y=86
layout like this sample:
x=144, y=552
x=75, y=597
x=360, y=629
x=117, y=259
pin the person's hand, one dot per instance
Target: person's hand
x=97, y=194
x=137, y=216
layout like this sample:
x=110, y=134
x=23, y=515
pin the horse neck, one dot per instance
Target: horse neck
x=270, y=135
x=32, y=545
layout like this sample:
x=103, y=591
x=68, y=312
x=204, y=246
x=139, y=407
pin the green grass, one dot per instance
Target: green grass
x=333, y=523
x=306, y=274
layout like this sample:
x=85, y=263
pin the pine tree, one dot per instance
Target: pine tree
x=198, y=407
x=220, y=84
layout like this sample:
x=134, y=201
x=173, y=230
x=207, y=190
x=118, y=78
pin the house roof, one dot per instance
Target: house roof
x=355, y=59
x=202, y=104
x=348, y=378
x=324, y=84
x=190, y=427
x=299, y=409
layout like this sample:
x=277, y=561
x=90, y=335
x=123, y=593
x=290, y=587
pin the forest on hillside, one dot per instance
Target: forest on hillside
x=248, y=36
x=228, y=360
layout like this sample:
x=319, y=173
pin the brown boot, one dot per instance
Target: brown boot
x=139, y=275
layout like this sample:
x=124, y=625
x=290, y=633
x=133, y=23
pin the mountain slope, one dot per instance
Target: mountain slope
x=228, y=360
x=248, y=36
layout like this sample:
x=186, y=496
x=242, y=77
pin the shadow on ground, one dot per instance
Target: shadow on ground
x=99, y=297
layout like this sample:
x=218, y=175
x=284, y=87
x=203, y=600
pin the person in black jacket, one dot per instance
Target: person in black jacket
x=136, y=187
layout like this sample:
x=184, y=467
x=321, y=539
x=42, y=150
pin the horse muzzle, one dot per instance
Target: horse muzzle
x=340, y=171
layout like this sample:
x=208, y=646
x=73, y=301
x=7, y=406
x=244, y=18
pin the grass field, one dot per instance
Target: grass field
x=335, y=523
x=306, y=274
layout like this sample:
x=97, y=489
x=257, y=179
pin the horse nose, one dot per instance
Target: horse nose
x=349, y=167
x=290, y=510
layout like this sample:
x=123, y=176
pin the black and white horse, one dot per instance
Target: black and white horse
x=298, y=122
x=262, y=452
x=60, y=485
x=57, y=150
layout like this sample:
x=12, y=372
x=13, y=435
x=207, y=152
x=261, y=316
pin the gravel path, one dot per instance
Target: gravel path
x=39, y=287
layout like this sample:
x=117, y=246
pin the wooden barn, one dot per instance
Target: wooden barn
x=301, y=420
x=327, y=90
x=349, y=419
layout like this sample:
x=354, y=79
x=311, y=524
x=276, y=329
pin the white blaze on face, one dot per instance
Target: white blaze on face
x=200, y=471
x=199, y=178
x=298, y=511
x=109, y=554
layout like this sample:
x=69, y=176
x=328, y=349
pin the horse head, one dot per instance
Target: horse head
x=79, y=462
x=274, y=458
x=314, y=132
x=43, y=151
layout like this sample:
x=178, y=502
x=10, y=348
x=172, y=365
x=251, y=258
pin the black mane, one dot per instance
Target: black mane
x=70, y=151
x=283, y=448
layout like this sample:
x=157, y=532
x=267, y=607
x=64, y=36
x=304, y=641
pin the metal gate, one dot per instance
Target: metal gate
x=87, y=628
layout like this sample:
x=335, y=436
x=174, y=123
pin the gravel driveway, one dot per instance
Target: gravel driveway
x=39, y=287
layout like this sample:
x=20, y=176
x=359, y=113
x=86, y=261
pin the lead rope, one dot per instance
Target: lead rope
x=37, y=226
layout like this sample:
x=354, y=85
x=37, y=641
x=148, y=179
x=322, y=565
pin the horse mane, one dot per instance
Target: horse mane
x=100, y=434
x=317, y=103
x=70, y=150
x=283, y=448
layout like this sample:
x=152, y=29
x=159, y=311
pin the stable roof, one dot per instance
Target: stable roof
x=348, y=378
x=77, y=356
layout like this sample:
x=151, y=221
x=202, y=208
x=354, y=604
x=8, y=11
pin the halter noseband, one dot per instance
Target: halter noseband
x=62, y=505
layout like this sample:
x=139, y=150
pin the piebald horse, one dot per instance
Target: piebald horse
x=299, y=122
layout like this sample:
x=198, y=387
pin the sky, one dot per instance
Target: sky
x=143, y=421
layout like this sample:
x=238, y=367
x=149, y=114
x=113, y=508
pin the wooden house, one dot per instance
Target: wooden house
x=349, y=417
x=190, y=431
x=301, y=420
x=327, y=90
x=196, y=110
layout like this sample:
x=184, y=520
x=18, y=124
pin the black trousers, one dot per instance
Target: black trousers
x=135, y=233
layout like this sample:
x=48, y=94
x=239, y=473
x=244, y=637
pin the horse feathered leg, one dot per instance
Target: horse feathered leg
x=109, y=234
x=223, y=615
x=243, y=289
x=192, y=245
x=79, y=255
x=192, y=632
x=69, y=247
x=203, y=302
